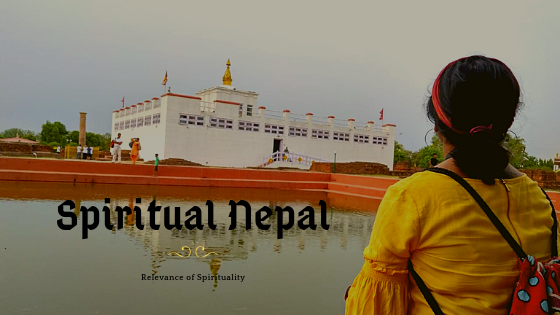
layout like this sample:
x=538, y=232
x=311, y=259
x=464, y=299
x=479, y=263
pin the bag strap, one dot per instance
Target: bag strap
x=425, y=291
x=514, y=245
x=554, y=238
x=497, y=223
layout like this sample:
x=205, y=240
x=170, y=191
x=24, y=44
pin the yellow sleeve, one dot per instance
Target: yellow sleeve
x=381, y=287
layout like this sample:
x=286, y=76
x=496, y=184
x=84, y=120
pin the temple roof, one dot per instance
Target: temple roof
x=17, y=139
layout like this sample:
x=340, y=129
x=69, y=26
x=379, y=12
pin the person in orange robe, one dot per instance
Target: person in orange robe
x=130, y=217
x=135, y=149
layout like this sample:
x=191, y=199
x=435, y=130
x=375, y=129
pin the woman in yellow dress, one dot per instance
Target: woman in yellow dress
x=134, y=152
x=433, y=222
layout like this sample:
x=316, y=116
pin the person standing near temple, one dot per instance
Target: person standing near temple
x=286, y=152
x=434, y=161
x=135, y=150
x=79, y=151
x=117, y=148
x=156, y=163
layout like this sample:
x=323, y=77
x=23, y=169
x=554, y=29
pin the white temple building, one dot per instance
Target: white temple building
x=224, y=126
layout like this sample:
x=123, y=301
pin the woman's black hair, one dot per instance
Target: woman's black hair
x=477, y=91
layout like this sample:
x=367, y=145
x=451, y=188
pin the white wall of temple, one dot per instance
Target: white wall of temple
x=178, y=136
x=240, y=148
x=152, y=137
x=212, y=146
x=227, y=93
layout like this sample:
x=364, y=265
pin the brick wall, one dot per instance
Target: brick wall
x=401, y=166
x=546, y=179
x=16, y=147
x=173, y=161
x=42, y=148
x=351, y=168
x=26, y=149
x=540, y=175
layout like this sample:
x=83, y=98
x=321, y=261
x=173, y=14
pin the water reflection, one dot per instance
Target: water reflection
x=327, y=260
x=229, y=244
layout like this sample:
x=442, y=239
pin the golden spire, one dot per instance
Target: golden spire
x=215, y=265
x=227, y=76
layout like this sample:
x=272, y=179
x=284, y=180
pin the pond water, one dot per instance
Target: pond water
x=46, y=270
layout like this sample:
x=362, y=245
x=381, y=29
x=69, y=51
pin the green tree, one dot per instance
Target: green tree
x=516, y=147
x=74, y=136
x=16, y=132
x=550, y=163
x=529, y=162
x=422, y=157
x=54, y=132
x=532, y=162
x=425, y=154
x=437, y=144
x=29, y=137
x=401, y=154
x=106, y=141
x=92, y=139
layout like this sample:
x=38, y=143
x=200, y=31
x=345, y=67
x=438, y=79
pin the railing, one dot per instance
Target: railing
x=340, y=123
x=298, y=118
x=274, y=114
x=316, y=122
x=290, y=158
x=320, y=120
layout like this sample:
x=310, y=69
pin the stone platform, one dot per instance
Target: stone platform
x=368, y=188
x=27, y=150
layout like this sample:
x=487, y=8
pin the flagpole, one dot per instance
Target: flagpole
x=165, y=83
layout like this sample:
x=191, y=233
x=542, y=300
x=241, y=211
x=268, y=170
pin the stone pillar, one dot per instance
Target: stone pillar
x=82, y=138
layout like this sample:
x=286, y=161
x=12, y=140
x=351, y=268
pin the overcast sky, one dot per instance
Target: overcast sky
x=348, y=58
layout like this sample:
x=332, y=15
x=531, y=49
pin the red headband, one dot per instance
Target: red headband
x=435, y=98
